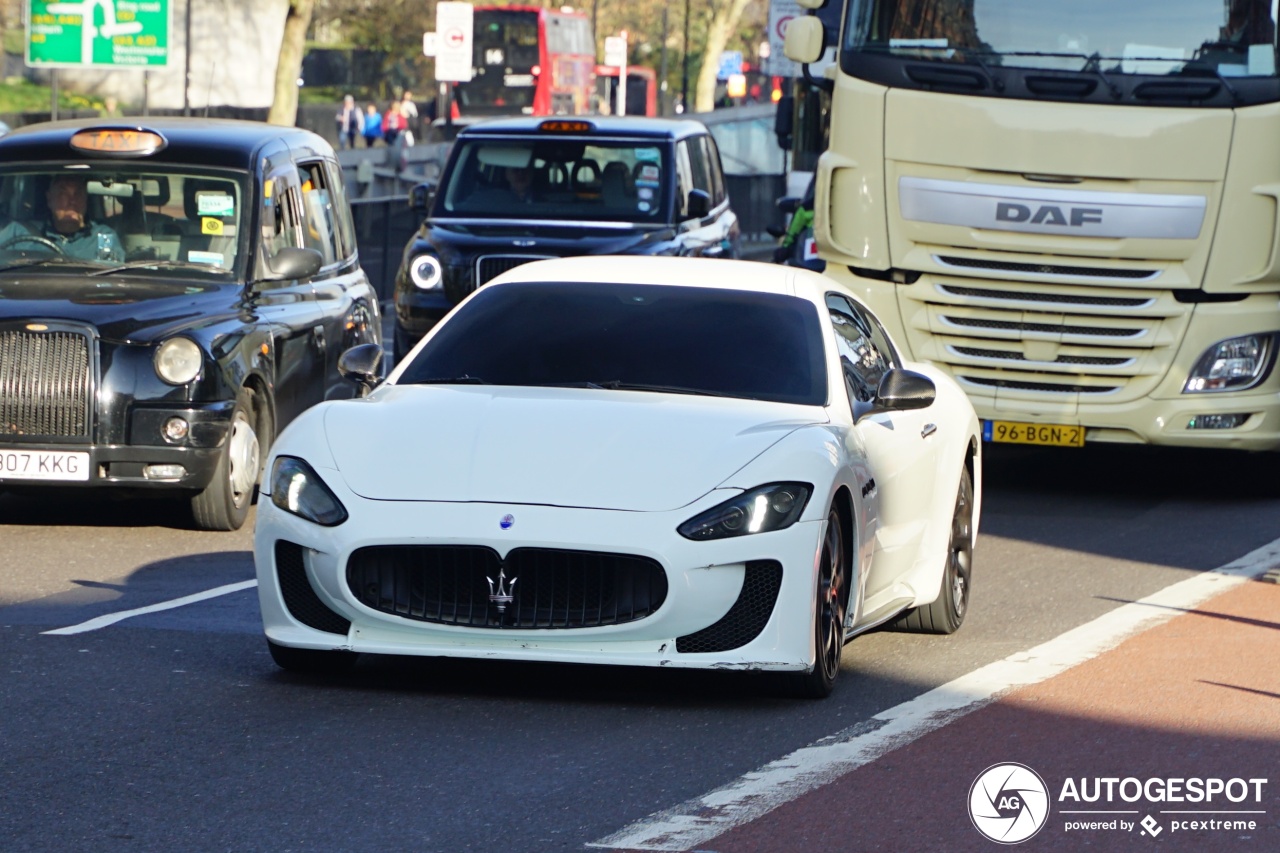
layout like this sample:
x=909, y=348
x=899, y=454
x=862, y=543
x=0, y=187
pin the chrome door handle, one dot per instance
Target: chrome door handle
x=929, y=429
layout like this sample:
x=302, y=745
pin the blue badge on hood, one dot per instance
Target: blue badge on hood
x=507, y=521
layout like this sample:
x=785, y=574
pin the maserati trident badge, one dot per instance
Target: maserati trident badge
x=501, y=593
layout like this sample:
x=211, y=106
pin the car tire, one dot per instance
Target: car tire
x=946, y=614
x=832, y=601
x=224, y=503
x=312, y=661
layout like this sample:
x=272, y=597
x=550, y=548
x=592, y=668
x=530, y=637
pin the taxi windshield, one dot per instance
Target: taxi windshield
x=558, y=179
x=175, y=219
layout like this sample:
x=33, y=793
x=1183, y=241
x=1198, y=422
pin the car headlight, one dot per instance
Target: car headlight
x=772, y=507
x=178, y=361
x=297, y=489
x=1232, y=365
x=426, y=273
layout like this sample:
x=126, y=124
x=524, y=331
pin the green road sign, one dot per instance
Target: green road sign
x=98, y=33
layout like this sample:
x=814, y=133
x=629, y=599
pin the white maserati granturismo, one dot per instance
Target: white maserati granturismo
x=636, y=461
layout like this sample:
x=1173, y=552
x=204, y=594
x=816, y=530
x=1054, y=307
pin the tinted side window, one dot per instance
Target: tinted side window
x=718, y=192
x=341, y=212
x=281, y=214
x=862, y=358
x=319, y=228
x=684, y=179
x=698, y=162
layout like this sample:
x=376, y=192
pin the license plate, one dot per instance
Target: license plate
x=43, y=465
x=1053, y=435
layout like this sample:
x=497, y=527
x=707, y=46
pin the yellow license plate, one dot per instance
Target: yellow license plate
x=1053, y=435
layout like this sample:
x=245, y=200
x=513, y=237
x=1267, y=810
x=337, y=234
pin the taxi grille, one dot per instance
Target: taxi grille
x=548, y=588
x=491, y=266
x=45, y=385
x=1044, y=340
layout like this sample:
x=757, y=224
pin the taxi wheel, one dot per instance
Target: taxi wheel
x=224, y=504
x=832, y=598
x=946, y=614
x=312, y=661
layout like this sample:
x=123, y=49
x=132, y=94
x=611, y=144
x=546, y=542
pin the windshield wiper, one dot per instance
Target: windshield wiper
x=1217, y=72
x=619, y=385
x=39, y=262
x=464, y=379
x=160, y=264
x=1094, y=64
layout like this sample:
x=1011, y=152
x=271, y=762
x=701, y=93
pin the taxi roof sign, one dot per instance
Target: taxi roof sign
x=566, y=126
x=119, y=141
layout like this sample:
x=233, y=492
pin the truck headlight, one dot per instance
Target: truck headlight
x=772, y=507
x=178, y=361
x=426, y=273
x=297, y=489
x=1232, y=365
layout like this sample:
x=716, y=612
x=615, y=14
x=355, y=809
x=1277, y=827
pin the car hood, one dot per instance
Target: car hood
x=121, y=308
x=619, y=450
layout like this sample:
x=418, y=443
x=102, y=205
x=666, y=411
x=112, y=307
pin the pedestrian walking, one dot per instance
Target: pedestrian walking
x=393, y=124
x=350, y=123
x=409, y=110
x=372, y=131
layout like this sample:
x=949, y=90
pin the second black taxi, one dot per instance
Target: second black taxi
x=525, y=189
x=172, y=294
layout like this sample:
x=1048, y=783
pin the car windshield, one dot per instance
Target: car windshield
x=638, y=337
x=559, y=178
x=169, y=219
x=1232, y=38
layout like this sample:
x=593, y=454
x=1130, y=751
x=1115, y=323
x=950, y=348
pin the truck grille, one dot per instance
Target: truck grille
x=45, y=383
x=548, y=588
x=1041, y=340
x=491, y=266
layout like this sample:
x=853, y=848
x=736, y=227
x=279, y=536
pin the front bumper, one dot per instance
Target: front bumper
x=704, y=580
x=126, y=464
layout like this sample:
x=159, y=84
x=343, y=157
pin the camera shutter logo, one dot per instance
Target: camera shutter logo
x=1008, y=803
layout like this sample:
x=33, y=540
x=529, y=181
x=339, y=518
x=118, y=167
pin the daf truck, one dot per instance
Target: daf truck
x=1070, y=207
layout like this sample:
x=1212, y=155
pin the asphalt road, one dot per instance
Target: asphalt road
x=174, y=730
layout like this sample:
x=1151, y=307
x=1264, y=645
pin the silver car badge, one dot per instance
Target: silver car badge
x=524, y=243
x=501, y=594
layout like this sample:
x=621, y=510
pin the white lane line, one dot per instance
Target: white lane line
x=701, y=819
x=112, y=618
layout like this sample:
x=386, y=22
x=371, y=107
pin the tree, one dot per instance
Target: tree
x=724, y=19
x=284, y=106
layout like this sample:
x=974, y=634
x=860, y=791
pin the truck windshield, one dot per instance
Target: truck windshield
x=1225, y=39
x=558, y=178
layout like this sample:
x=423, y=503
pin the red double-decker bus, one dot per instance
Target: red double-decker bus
x=529, y=61
x=642, y=89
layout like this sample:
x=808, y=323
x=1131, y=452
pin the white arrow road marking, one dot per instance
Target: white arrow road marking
x=112, y=618
x=696, y=821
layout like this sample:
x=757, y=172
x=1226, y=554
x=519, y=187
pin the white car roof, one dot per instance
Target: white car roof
x=690, y=272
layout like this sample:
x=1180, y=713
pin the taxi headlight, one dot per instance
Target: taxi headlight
x=1235, y=364
x=426, y=273
x=772, y=507
x=297, y=489
x=178, y=361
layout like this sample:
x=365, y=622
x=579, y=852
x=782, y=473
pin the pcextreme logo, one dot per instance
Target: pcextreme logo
x=1008, y=803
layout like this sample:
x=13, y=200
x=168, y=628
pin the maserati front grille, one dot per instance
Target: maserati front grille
x=470, y=586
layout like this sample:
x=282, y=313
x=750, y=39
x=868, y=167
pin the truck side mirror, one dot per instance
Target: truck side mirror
x=699, y=204
x=291, y=263
x=784, y=121
x=420, y=197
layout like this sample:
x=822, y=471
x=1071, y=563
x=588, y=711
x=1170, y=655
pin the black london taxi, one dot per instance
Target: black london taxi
x=524, y=189
x=172, y=294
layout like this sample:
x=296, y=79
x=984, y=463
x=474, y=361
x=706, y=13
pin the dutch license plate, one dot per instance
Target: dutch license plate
x=43, y=465
x=1054, y=435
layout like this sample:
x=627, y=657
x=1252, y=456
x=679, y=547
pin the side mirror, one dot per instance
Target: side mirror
x=363, y=366
x=806, y=39
x=699, y=204
x=420, y=197
x=784, y=121
x=899, y=391
x=291, y=263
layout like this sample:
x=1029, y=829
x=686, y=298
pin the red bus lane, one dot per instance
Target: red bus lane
x=1171, y=741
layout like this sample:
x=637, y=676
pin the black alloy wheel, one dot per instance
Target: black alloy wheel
x=946, y=614
x=829, y=616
